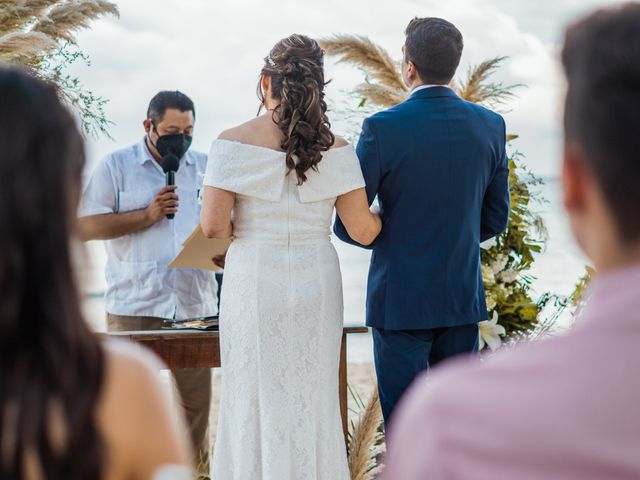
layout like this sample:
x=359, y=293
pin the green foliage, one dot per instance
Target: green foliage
x=90, y=107
x=39, y=35
x=506, y=262
x=581, y=287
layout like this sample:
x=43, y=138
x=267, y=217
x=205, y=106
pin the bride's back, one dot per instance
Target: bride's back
x=270, y=205
x=261, y=131
x=283, y=172
x=273, y=182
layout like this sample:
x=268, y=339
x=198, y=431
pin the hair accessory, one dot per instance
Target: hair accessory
x=271, y=62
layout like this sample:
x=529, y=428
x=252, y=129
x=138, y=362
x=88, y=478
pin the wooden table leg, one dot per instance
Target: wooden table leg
x=342, y=388
x=195, y=349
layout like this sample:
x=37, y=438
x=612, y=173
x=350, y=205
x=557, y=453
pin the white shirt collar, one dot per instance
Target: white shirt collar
x=423, y=87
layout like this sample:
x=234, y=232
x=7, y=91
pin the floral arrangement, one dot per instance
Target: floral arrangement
x=39, y=35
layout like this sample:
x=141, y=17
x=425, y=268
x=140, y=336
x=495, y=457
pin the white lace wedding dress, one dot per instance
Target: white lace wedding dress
x=281, y=317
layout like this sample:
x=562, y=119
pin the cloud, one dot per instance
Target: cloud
x=213, y=52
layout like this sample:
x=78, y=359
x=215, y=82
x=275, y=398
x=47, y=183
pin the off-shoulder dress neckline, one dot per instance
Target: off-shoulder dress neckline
x=273, y=150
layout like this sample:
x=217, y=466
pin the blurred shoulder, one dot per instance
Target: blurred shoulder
x=138, y=420
x=518, y=373
x=459, y=402
x=131, y=374
x=132, y=385
x=129, y=363
x=131, y=382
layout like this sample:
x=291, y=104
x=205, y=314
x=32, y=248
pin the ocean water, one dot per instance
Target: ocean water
x=556, y=270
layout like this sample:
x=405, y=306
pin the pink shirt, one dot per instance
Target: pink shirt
x=565, y=408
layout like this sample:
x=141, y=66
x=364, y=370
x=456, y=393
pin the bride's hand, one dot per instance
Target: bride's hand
x=219, y=260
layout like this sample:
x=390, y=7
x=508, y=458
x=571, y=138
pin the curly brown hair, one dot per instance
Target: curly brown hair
x=296, y=67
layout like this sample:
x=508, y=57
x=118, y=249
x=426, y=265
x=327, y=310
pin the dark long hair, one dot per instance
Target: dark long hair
x=296, y=67
x=51, y=364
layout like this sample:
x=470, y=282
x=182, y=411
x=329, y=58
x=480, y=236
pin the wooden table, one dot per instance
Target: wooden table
x=201, y=349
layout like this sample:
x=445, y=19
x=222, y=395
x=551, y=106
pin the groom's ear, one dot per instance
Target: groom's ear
x=412, y=72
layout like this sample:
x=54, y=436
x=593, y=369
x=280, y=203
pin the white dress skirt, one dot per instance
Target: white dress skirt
x=281, y=317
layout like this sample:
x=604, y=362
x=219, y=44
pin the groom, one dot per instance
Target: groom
x=439, y=169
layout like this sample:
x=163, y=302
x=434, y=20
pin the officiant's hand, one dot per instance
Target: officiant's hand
x=219, y=261
x=165, y=202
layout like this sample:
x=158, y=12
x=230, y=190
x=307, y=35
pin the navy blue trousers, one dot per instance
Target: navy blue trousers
x=400, y=355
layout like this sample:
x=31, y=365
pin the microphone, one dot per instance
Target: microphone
x=170, y=165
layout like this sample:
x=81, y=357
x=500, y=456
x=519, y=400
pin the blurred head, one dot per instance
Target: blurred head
x=292, y=81
x=171, y=115
x=431, y=52
x=51, y=366
x=601, y=168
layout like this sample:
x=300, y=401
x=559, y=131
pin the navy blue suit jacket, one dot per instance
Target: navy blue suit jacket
x=438, y=166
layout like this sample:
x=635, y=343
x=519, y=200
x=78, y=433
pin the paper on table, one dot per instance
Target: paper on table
x=198, y=251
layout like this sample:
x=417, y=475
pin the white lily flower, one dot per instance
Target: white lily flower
x=487, y=244
x=488, y=277
x=491, y=302
x=499, y=263
x=491, y=333
x=509, y=276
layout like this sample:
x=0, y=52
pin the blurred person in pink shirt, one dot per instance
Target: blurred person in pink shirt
x=569, y=407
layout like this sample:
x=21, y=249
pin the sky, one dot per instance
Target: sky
x=213, y=50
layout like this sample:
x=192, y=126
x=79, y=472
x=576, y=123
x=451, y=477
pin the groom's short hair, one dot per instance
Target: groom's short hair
x=434, y=46
x=601, y=58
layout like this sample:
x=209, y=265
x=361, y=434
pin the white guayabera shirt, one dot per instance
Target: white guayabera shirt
x=138, y=280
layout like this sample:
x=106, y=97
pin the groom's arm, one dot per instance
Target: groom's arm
x=368, y=155
x=496, y=203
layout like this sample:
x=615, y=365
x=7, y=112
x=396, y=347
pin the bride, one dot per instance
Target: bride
x=273, y=183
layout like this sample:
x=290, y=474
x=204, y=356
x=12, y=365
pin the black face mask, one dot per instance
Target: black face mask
x=176, y=144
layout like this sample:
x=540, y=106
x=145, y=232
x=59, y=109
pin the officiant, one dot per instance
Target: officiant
x=144, y=223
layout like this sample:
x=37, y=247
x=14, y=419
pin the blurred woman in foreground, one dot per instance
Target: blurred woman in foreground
x=70, y=407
